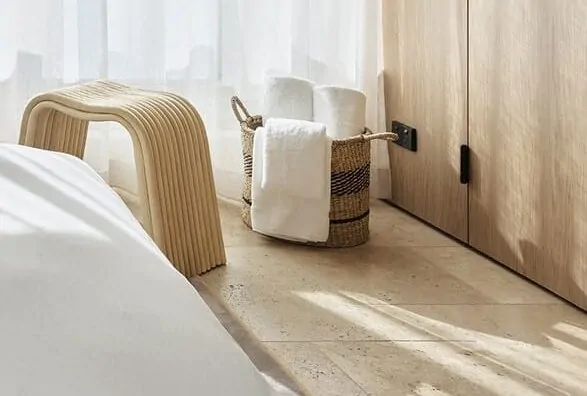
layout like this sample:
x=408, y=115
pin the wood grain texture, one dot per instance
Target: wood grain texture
x=425, y=55
x=176, y=186
x=528, y=97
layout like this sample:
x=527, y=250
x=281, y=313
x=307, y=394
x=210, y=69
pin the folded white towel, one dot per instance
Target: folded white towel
x=342, y=110
x=295, y=157
x=288, y=97
x=276, y=213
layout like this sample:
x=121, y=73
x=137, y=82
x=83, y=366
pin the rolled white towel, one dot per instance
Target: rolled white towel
x=288, y=97
x=342, y=110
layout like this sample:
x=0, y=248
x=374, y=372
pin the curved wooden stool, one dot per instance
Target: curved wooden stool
x=176, y=186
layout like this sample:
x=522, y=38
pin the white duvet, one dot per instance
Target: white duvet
x=89, y=305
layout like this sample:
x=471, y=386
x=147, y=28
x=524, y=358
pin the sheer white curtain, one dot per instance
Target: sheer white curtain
x=206, y=50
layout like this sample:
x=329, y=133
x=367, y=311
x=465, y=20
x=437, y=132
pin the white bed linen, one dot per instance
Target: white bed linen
x=89, y=305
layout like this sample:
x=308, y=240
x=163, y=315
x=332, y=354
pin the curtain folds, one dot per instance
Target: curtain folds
x=205, y=50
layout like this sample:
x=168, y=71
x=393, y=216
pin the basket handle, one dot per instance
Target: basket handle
x=240, y=111
x=369, y=135
x=381, y=136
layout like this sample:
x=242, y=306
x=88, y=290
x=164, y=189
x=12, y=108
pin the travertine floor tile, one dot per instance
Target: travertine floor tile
x=391, y=227
x=281, y=379
x=314, y=369
x=273, y=315
x=486, y=277
x=445, y=369
x=394, y=275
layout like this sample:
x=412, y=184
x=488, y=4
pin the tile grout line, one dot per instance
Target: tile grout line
x=372, y=341
x=553, y=304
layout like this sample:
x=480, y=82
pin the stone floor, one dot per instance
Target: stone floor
x=409, y=313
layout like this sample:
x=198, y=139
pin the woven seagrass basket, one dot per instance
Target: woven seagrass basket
x=350, y=172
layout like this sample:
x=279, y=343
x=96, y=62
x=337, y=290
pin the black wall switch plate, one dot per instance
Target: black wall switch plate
x=407, y=135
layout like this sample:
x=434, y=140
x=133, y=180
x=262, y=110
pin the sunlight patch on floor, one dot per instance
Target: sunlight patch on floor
x=561, y=362
x=571, y=330
x=445, y=354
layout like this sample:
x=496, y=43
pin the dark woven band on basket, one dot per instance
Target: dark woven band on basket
x=351, y=182
x=248, y=161
x=352, y=219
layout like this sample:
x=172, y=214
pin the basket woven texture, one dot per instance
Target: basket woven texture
x=350, y=173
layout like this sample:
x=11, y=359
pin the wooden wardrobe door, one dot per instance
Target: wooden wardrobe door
x=528, y=135
x=425, y=55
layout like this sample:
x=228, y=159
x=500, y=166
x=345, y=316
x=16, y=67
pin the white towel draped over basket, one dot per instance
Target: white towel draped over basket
x=291, y=180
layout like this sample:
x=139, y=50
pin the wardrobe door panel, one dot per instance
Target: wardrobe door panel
x=425, y=77
x=528, y=136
